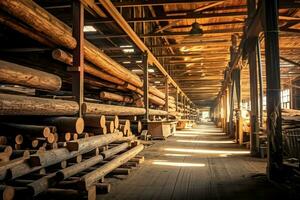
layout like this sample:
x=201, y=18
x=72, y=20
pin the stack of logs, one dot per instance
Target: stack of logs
x=101, y=71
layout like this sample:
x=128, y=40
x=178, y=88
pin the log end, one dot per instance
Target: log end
x=79, y=125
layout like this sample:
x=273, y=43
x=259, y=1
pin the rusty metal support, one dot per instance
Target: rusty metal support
x=275, y=152
x=77, y=70
x=146, y=86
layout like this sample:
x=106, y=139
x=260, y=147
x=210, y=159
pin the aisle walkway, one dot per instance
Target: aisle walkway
x=200, y=163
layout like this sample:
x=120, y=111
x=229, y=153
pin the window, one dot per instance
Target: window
x=285, y=98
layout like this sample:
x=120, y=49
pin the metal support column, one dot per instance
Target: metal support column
x=167, y=95
x=254, y=135
x=176, y=99
x=146, y=86
x=77, y=69
x=275, y=153
x=260, y=83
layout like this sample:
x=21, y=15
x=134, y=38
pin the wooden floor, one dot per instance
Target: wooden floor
x=199, y=163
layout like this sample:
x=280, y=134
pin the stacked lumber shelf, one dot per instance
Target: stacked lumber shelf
x=118, y=85
x=290, y=119
x=45, y=148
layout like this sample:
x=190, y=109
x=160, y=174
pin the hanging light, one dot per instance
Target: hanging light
x=196, y=29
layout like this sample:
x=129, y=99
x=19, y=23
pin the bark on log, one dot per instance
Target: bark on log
x=95, y=121
x=115, y=119
x=74, y=169
x=16, y=74
x=110, y=125
x=34, y=130
x=103, y=109
x=157, y=92
x=136, y=126
x=157, y=112
x=94, y=108
x=23, y=105
x=156, y=100
x=17, y=26
x=51, y=157
x=92, y=177
x=67, y=58
x=92, y=141
x=115, y=97
x=110, y=152
x=66, y=124
x=38, y=18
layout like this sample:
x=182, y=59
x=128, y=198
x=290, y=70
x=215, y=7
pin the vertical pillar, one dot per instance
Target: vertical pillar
x=254, y=139
x=275, y=154
x=167, y=95
x=176, y=99
x=77, y=69
x=146, y=86
x=260, y=82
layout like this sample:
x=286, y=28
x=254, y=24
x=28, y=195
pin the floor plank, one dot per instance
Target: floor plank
x=199, y=163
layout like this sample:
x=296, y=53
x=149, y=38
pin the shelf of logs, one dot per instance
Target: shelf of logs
x=45, y=148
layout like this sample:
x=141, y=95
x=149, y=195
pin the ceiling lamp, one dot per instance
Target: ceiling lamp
x=196, y=30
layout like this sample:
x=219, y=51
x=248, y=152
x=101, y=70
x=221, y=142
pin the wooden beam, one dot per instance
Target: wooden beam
x=172, y=18
x=192, y=12
x=135, y=38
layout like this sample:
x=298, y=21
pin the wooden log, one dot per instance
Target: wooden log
x=157, y=92
x=113, y=151
x=94, y=108
x=115, y=97
x=92, y=141
x=156, y=100
x=3, y=140
x=110, y=126
x=96, y=131
x=39, y=19
x=125, y=122
x=34, y=130
x=115, y=119
x=25, y=30
x=95, y=121
x=66, y=124
x=93, y=177
x=104, y=109
x=157, y=112
x=23, y=105
x=56, y=31
x=16, y=74
x=51, y=157
x=136, y=126
x=67, y=58
x=103, y=188
x=43, y=183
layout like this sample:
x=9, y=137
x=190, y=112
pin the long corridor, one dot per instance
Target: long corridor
x=199, y=163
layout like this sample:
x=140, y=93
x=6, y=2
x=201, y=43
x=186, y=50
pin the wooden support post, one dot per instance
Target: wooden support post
x=146, y=86
x=176, y=99
x=275, y=153
x=78, y=56
x=260, y=82
x=167, y=95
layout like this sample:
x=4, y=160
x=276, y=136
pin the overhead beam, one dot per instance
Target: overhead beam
x=172, y=18
x=135, y=38
x=165, y=34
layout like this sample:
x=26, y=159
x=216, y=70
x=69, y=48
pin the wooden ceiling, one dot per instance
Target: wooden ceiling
x=195, y=62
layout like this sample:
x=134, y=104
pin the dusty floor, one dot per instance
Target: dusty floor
x=200, y=163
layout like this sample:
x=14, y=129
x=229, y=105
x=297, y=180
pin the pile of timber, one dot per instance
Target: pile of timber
x=290, y=119
x=78, y=168
x=38, y=24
